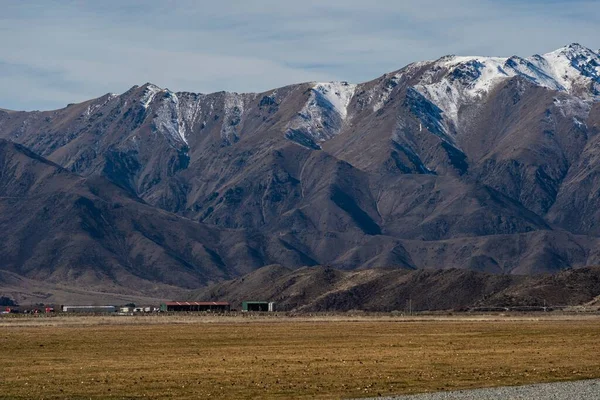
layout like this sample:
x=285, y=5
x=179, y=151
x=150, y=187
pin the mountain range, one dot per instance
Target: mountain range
x=479, y=163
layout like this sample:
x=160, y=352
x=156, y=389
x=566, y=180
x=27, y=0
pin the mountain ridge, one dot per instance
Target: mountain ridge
x=377, y=174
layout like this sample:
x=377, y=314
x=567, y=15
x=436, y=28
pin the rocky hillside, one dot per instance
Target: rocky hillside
x=328, y=289
x=476, y=163
x=59, y=227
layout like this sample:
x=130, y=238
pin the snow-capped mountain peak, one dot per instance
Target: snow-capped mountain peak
x=573, y=65
x=453, y=81
x=150, y=91
x=167, y=114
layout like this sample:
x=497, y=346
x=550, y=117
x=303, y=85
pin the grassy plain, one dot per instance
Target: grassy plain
x=324, y=357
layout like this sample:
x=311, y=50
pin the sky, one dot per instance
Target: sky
x=57, y=52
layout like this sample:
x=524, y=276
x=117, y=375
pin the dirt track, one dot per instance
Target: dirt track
x=577, y=390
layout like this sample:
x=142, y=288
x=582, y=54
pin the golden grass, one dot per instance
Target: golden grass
x=194, y=357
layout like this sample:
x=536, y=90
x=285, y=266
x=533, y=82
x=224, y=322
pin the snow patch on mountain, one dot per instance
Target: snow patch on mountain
x=323, y=115
x=98, y=104
x=570, y=106
x=169, y=119
x=386, y=91
x=429, y=114
x=338, y=94
x=579, y=124
x=452, y=81
x=531, y=69
x=190, y=106
x=234, y=109
x=572, y=66
x=381, y=92
x=149, y=93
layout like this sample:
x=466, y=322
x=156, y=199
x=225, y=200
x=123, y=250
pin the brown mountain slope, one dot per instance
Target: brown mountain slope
x=327, y=289
x=157, y=248
x=62, y=228
x=435, y=165
x=27, y=292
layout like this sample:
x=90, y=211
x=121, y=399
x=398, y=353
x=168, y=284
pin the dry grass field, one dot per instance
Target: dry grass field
x=200, y=357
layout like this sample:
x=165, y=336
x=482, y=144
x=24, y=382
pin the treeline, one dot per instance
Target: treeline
x=7, y=302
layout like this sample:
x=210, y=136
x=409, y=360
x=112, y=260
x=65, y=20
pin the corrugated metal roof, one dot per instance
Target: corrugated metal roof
x=89, y=306
x=197, y=303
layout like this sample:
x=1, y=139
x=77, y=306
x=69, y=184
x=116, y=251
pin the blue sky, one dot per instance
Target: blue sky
x=58, y=52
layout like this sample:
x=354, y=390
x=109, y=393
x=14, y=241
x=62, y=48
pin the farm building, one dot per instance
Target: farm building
x=145, y=309
x=214, y=306
x=258, y=306
x=89, y=309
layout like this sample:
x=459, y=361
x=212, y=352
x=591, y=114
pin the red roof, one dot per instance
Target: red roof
x=197, y=303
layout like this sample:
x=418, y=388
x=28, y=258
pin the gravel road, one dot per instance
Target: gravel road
x=577, y=390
